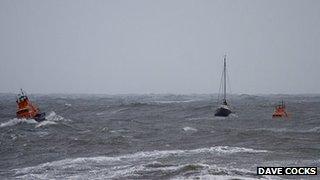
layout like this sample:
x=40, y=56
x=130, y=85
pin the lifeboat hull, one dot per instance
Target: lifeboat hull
x=222, y=112
x=27, y=110
x=38, y=117
x=280, y=111
x=279, y=115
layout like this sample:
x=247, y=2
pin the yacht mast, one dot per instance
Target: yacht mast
x=224, y=79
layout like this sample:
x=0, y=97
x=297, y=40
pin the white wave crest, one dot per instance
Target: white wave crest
x=52, y=116
x=44, y=123
x=51, y=119
x=223, y=177
x=119, y=110
x=100, y=113
x=119, y=165
x=234, y=115
x=67, y=104
x=16, y=121
x=190, y=129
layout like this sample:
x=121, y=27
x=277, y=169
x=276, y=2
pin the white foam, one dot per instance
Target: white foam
x=16, y=121
x=123, y=164
x=119, y=110
x=67, y=104
x=112, y=112
x=44, y=123
x=42, y=133
x=220, y=177
x=51, y=118
x=119, y=131
x=134, y=170
x=54, y=117
x=230, y=173
x=234, y=115
x=198, y=118
x=190, y=129
x=99, y=113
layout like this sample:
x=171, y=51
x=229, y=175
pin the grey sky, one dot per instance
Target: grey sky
x=163, y=46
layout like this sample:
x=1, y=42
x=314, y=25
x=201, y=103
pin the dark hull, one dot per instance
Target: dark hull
x=40, y=117
x=223, y=112
x=279, y=116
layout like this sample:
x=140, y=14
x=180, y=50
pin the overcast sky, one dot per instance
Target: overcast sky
x=159, y=46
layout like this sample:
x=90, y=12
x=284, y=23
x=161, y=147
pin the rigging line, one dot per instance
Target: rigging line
x=229, y=84
x=228, y=81
x=220, y=87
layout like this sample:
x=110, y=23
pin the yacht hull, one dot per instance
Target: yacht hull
x=223, y=112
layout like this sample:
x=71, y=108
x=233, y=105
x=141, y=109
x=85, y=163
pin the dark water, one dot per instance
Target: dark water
x=157, y=137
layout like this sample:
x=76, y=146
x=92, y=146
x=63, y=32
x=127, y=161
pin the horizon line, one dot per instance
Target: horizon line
x=151, y=93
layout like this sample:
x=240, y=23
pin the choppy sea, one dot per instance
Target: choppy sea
x=157, y=137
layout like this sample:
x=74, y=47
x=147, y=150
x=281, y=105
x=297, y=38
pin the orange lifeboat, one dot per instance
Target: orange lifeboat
x=27, y=110
x=280, y=111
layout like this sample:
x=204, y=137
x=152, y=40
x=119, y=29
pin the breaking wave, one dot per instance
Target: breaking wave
x=55, y=117
x=125, y=165
x=190, y=129
x=52, y=118
x=119, y=110
x=44, y=123
x=16, y=121
x=67, y=104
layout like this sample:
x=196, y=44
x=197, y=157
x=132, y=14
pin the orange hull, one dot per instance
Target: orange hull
x=280, y=111
x=26, y=109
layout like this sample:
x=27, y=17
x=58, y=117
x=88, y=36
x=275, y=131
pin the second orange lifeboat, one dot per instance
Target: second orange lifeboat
x=280, y=111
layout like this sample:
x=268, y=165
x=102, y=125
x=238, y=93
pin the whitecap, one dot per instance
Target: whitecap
x=16, y=121
x=45, y=123
x=197, y=118
x=233, y=115
x=52, y=116
x=120, y=165
x=99, y=113
x=67, y=105
x=119, y=110
x=190, y=129
x=221, y=177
